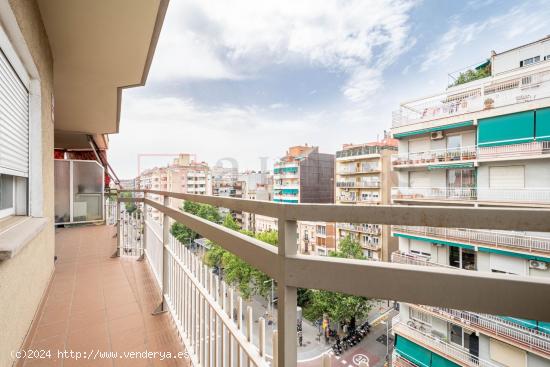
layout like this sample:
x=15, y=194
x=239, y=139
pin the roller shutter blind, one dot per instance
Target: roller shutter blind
x=419, y=146
x=419, y=179
x=515, y=128
x=508, y=177
x=14, y=122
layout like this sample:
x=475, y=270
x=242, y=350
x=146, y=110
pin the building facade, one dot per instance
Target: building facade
x=481, y=143
x=364, y=177
x=304, y=175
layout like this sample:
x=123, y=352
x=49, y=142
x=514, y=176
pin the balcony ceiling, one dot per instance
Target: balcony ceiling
x=99, y=47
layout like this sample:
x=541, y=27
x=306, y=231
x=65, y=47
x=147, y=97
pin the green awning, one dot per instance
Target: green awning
x=413, y=352
x=450, y=165
x=438, y=361
x=515, y=128
x=438, y=128
x=542, y=124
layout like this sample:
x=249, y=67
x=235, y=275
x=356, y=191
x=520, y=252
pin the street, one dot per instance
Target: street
x=371, y=350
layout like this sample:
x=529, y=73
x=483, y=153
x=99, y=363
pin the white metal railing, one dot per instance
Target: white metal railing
x=292, y=270
x=208, y=314
x=130, y=233
x=440, y=193
x=436, y=156
x=111, y=208
x=346, y=170
x=438, y=345
x=406, y=258
x=363, y=183
x=364, y=228
x=527, y=338
x=356, y=199
x=518, y=89
x=498, y=239
x=514, y=150
x=153, y=247
x=529, y=195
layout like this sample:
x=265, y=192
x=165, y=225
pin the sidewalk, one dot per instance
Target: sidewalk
x=313, y=345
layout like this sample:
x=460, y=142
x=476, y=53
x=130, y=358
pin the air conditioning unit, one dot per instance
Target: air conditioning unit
x=535, y=264
x=436, y=135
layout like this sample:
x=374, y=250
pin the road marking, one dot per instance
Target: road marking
x=359, y=358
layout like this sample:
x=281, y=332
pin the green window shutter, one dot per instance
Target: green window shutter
x=515, y=128
x=542, y=126
x=438, y=361
x=413, y=352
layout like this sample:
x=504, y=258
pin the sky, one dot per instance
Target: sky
x=246, y=79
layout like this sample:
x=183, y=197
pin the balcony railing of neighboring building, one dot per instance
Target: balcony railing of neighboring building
x=363, y=228
x=472, y=153
x=493, y=94
x=411, y=259
x=356, y=199
x=358, y=151
x=182, y=277
x=528, y=195
x=526, y=338
x=449, y=351
x=358, y=184
x=434, y=193
x=354, y=170
x=478, y=237
x=437, y=156
x=535, y=148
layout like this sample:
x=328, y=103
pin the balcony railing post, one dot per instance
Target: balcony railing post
x=143, y=234
x=163, y=307
x=119, y=233
x=287, y=304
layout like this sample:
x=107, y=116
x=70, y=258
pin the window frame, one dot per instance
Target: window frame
x=13, y=45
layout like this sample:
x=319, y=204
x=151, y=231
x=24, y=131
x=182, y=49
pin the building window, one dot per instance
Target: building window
x=420, y=316
x=529, y=61
x=462, y=258
x=459, y=336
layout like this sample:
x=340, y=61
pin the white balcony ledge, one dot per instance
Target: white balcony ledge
x=18, y=233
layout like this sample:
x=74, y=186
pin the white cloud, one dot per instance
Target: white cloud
x=236, y=39
x=500, y=28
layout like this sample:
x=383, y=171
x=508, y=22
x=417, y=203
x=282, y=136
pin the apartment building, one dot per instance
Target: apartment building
x=304, y=175
x=317, y=238
x=364, y=177
x=256, y=186
x=183, y=175
x=481, y=143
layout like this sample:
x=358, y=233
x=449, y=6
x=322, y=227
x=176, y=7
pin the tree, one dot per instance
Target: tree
x=348, y=248
x=339, y=306
x=130, y=206
x=184, y=234
x=480, y=72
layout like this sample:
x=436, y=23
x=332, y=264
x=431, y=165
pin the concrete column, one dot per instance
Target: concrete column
x=287, y=304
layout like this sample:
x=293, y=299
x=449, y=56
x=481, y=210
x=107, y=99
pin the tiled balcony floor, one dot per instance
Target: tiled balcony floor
x=99, y=303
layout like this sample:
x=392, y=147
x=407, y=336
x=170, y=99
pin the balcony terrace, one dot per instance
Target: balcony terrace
x=510, y=241
x=485, y=95
x=449, y=351
x=475, y=195
x=196, y=307
x=361, y=228
x=99, y=303
x=528, y=338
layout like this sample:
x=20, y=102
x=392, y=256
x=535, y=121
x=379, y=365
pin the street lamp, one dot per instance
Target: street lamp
x=387, y=323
